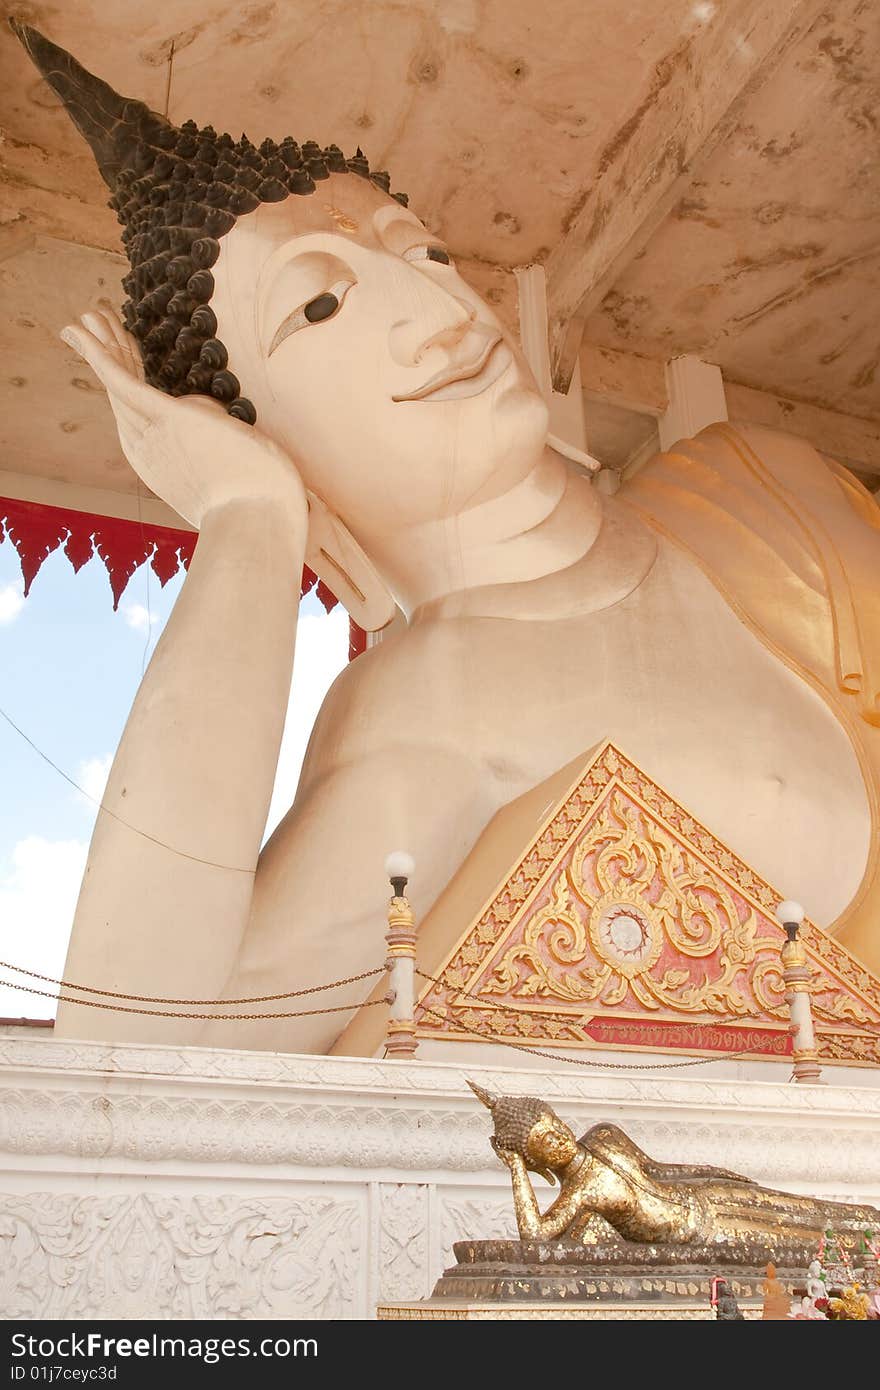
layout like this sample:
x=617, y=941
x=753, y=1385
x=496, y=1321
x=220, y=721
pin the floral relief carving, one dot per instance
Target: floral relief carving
x=435, y=1136
x=178, y=1073
x=150, y=1256
x=403, y=1242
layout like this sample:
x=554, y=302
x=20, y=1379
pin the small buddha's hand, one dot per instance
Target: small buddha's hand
x=514, y=1160
x=186, y=449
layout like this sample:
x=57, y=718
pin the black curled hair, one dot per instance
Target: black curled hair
x=515, y=1117
x=177, y=190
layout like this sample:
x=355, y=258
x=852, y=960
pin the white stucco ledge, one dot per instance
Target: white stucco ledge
x=185, y=1182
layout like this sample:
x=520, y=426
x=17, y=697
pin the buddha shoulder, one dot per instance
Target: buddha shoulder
x=406, y=689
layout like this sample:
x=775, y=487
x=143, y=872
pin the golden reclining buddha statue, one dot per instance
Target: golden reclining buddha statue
x=609, y=1188
x=303, y=375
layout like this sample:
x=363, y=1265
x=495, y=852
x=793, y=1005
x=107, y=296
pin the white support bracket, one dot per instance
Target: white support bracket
x=696, y=399
x=566, y=411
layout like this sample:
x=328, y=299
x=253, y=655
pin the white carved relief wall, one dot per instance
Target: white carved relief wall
x=184, y=1183
x=147, y=1255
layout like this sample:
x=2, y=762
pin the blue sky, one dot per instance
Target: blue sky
x=69, y=670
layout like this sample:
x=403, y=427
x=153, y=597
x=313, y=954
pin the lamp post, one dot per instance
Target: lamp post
x=400, y=1039
x=796, y=976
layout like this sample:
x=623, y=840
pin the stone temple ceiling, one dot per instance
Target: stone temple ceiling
x=770, y=266
x=498, y=118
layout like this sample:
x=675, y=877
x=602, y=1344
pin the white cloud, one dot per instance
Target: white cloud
x=139, y=617
x=92, y=776
x=40, y=879
x=39, y=885
x=11, y=601
x=321, y=653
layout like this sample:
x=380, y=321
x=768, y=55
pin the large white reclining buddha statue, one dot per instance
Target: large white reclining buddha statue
x=303, y=373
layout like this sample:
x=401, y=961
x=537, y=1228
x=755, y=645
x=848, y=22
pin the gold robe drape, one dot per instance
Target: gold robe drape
x=792, y=541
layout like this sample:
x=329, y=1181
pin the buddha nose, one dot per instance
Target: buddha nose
x=438, y=320
x=453, y=332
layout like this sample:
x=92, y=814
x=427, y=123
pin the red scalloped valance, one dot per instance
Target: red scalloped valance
x=37, y=529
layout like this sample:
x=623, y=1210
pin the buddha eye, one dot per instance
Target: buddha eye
x=321, y=308
x=428, y=253
x=316, y=310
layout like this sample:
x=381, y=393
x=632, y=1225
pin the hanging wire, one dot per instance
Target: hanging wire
x=168, y=82
x=587, y=1062
x=145, y=545
x=182, y=854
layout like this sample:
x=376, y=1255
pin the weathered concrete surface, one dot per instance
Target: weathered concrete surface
x=770, y=267
x=496, y=119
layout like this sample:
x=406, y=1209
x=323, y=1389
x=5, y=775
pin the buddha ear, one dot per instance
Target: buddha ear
x=335, y=556
x=546, y=1173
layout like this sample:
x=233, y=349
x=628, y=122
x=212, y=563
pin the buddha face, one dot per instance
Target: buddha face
x=550, y=1144
x=387, y=379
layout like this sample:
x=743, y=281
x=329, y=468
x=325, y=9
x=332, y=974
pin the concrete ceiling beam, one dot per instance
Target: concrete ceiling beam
x=96, y=501
x=642, y=385
x=695, y=95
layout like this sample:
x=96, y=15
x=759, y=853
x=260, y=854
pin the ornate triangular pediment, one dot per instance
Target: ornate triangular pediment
x=627, y=924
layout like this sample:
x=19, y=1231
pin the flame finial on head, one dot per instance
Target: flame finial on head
x=486, y=1097
x=112, y=124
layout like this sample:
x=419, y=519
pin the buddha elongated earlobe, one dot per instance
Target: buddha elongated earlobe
x=177, y=190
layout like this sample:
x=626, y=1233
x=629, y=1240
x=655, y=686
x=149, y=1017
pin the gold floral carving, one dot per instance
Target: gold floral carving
x=625, y=910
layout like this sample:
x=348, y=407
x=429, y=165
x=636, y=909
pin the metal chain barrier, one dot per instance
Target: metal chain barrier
x=166, y=1013
x=160, y=999
x=691, y=1061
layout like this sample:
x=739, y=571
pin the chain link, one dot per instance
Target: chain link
x=585, y=1061
x=342, y=1008
x=166, y=1013
x=160, y=999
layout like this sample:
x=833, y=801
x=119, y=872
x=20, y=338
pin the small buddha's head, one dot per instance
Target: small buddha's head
x=528, y=1126
x=290, y=284
x=550, y=1143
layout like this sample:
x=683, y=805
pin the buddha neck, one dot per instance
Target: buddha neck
x=578, y=1168
x=542, y=525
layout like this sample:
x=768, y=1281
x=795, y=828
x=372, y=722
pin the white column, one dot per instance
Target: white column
x=696, y=399
x=401, y=961
x=566, y=412
x=796, y=975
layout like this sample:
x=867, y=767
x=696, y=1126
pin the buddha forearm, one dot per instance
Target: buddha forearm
x=528, y=1217
x=195, y=769
x=531, y=1224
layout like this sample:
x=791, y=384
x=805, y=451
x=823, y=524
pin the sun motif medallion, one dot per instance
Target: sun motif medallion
x=625, y=935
